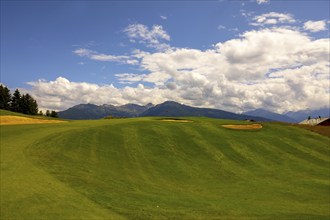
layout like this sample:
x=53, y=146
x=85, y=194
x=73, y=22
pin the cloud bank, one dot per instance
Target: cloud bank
x=279, y=69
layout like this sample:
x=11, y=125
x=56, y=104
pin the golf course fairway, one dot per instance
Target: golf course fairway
x=145, y=168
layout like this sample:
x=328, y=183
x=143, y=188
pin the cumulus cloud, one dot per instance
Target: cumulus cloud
x=272, y=18
x=152, y=37
x=62, y=94
x=315, y=26
x=278, y=69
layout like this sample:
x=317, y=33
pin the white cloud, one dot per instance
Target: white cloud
x=262, y=1
x=150, y=37
x=315, y=26
x=163, y=17
x=272, y=18
x=233, y=29
x=130, y=78
x=274, y=68
x=82, y=52
x=220, y=27
x=110, y=58
x=62, y=94
x=93, y=55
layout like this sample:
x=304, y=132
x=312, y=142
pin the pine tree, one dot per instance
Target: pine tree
x=29, y=105
x=33, y=106
x=15, y=101
x=53, y=114
x=5, y=97
x=23, y=105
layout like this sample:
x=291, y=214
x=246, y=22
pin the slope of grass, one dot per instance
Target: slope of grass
x=10, y=113
x=320, y=129
x=149, y=169
x=6, y=112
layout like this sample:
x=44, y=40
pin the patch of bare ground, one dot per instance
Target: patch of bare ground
x=171, y=120
x=244, y=127
x=15, y=120
x=175, y=120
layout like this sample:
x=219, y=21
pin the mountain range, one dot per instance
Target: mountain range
x=174, y=109
x=304, y=114
x=271, y=115
x=168, y=108
x=91, y=111
x=291, y=117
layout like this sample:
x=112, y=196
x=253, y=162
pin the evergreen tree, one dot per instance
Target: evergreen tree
x=28, y=105
x=48, y=113
x=5, y=97
x=15, y=101
x=53, y=114
x=23, y=105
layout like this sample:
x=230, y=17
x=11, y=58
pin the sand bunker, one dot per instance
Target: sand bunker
x=244, y=127
x=15, y=120
x=175, y=120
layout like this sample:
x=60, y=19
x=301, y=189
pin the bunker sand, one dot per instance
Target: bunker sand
x=15, y=120
x=176, y=120
x=244, y=127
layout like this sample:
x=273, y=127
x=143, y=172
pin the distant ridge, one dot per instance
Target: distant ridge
x=271, y=115
x=304, y=114
x=174, y=109
x=91, y=111
x=168, y=108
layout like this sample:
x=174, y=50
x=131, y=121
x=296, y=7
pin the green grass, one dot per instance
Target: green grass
x=10, y=113
x=320, y=129
x=5, y=112
x=148, y=169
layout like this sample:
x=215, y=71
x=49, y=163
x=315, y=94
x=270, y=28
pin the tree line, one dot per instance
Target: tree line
x=22, y=103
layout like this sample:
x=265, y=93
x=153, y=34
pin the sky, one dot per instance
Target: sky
x=230, y=55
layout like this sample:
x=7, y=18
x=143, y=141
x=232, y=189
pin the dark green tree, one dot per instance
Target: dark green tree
x=32, y=105
x=28, y=105
x=5, y=97
x=53, y=114
x=15, y=101
x=48, y=113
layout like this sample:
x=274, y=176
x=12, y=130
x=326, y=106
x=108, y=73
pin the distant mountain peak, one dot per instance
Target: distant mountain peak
x=175, y=109
x=149, y=105
x=169, y=102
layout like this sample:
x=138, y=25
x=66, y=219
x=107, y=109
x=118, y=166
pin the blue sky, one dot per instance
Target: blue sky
x=233, y=55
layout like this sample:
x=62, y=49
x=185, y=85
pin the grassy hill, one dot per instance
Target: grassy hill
x=144, y=168
x=10, y=113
